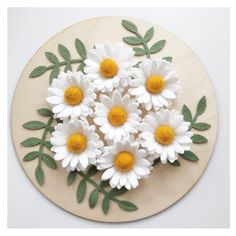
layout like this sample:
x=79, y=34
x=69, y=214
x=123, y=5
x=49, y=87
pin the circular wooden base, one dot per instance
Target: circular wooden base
x=166, y=184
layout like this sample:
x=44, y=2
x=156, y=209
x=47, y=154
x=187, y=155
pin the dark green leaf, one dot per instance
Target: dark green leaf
x=139, y=51
x=48, y=145
x=38, y=71
x=132, y=40
x=49, y=161
x=156, y=47
x=68, y=67
x=93, y=198
x=175, y=163
x=44, y=112
x=33, y=125
x=104, y=184
x=54, y=73
x=169, y=59
x=31, y=156
x=64, y=52
x=105, y=204
x=71, y=177
x=59, y=121
x=80, y=48
x=187, y=113
x=201, y=126
x=39, y=175
x=137, y=65
x=92, y=171
x=117, y=192
x=130, y=26
x=149, y=34
x=30, y=142
x=52, y=57
x=51, y=129
x=81, y=190
x=127, y=206
x=81, y=67
x=190, y=156
x=201, y=105
x=197, y=138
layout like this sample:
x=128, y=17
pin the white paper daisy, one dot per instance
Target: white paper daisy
x=109, y=67
x=165, y=134
x=118, y=116
x=76, y=144
x=125, y=164
x=154, y=84
x=71, y=95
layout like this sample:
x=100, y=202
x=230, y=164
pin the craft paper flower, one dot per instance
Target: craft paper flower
x=71, y=95
x=118, y=116
x=165, y=134
x=109, y=67
x=76, y=144
x=125, y=164
x=154, y=84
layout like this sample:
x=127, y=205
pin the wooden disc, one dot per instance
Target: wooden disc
x=166, y=184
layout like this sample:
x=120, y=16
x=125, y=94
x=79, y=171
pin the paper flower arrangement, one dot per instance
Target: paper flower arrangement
x=114, y=115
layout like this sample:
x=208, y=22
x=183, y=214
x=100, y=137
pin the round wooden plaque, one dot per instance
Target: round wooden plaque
x=166, y=184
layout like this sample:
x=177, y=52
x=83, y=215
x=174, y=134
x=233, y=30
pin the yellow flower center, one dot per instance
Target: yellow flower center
x=155, y=84
x=164, y=135
x=117, y=116
x=76, y=143
x=124, y=161
x=108, y=68
x=73, y=95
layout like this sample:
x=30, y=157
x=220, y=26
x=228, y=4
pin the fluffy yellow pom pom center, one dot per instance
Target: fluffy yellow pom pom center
x=155, y=84
x=124, y=161
x=76, y=143
x=164, y=135
x=108, y=68
x=73, y=95
x=117, y=116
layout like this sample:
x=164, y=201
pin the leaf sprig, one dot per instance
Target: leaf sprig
x=101, y=188
x=138, y=40
x=41, y=142
x=67, y=62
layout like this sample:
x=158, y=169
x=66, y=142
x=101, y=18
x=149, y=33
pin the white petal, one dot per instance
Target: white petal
x=108, y=173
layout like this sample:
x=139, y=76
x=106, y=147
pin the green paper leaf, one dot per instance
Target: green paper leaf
x=201, y=105
x=81, y=190
x=157, y=47
x=105, y=204
x=132, y=40
x=39, y=174
x=127, y=206
x=137, y=65
x=130, y=26
x=201, y=126
x=149, y=34
x=190, y=156
x=169, y=59
x=187, y=114
x=139, y=51
x=71, y=177
x=30, y=142
x=80, y=48
x=81, y=67
x=64, y=52
x=175, y=163
x=31, y=156
x=48, y=145
x=68, y=67
x=54, y=73
x=38, y=71
x=51, y=57
x=117, y=192
x=93, y=198
x=44, y=112
x=197, y=138
x=104, y=184
x=49, y=161
x=34, y=125
x=92, y=171
x=51, y=129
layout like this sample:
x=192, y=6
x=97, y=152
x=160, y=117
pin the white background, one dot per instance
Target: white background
x=206, y=31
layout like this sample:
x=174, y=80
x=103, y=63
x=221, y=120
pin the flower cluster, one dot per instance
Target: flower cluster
x=116, y=116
